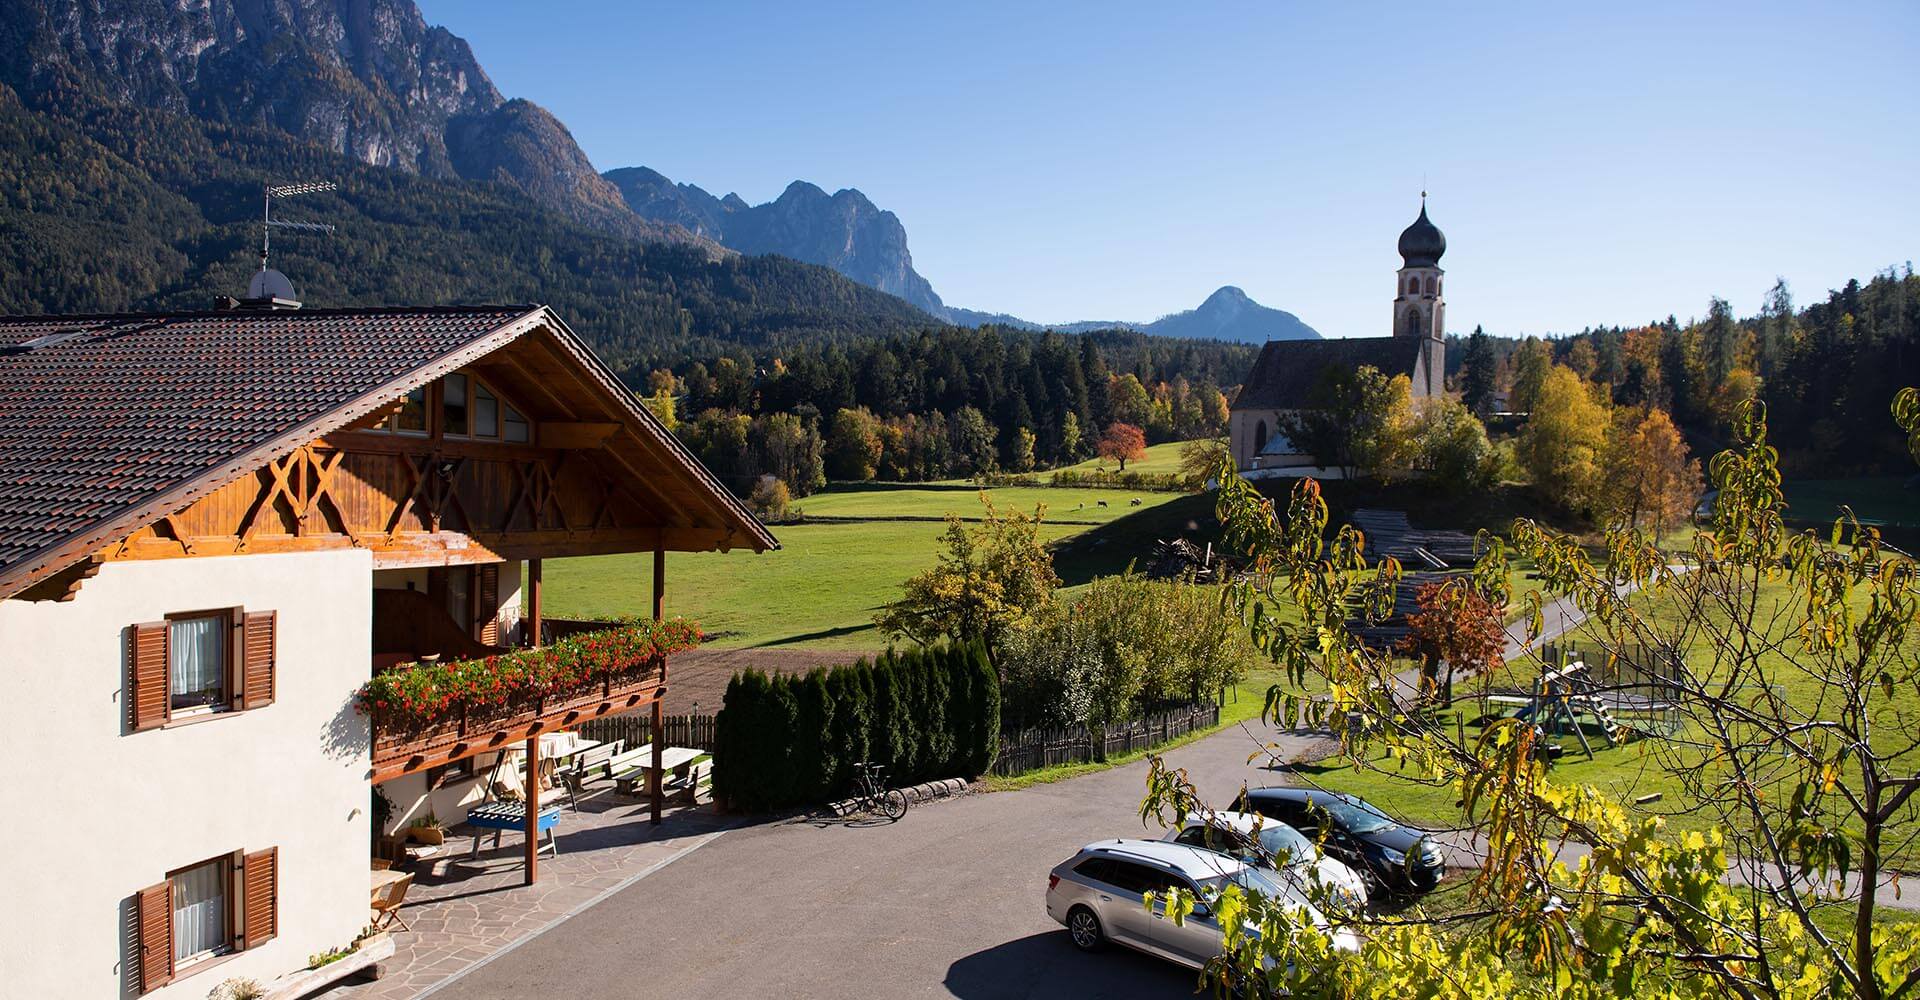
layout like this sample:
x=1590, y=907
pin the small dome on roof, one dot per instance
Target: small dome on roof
x=1422, y=243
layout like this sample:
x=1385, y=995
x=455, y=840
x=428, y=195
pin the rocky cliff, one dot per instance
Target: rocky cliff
x=366, y=78
x=845, y=230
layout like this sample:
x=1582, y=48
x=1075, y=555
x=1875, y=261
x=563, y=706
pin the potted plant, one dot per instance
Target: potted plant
x=427, y=830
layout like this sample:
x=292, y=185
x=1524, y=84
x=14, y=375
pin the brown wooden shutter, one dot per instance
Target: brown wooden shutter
x=489, y=590
x=147, y=700
x=155, y=925
x=257, y=674
x=260, y=878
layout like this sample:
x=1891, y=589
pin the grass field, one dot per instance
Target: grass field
x=829, y=578
x=1160, y=459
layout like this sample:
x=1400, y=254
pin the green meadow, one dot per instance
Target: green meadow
x=830, y=576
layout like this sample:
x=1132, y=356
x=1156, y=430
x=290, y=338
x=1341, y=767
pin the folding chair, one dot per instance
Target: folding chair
x=386, y=909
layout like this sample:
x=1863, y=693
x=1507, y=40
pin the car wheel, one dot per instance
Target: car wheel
x=1085, y=930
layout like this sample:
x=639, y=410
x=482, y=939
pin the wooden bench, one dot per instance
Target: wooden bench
x=688, y=786
x=621, y=765
x=586, y=762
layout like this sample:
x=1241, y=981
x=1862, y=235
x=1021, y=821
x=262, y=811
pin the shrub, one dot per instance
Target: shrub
x=815, y=756
x=1127, y=646
x=788, y=740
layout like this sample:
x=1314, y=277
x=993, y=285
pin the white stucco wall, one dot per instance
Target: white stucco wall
x=99, y=812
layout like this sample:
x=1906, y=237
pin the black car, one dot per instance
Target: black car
x=1400, y=858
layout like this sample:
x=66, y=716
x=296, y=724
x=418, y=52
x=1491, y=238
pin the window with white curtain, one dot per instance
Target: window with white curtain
x=197, y=655
x=200, y=910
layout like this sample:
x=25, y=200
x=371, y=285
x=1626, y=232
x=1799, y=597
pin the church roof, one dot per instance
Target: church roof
x=1285, y=374
x=1422, y=243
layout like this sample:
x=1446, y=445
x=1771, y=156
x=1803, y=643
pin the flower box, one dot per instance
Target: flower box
x=432, y=702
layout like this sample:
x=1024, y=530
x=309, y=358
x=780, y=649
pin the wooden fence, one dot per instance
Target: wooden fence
x=1031, y=749
x=694, y=731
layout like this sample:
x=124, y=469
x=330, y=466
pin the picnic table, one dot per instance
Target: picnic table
x=679, y=760
x=500, y=816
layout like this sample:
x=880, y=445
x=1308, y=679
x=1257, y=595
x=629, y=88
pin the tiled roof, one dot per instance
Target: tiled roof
x=102, y=414
x=1284, y=376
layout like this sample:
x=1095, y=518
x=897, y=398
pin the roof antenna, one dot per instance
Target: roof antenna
x=269, y=288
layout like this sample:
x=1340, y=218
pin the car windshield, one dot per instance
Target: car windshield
x=1254, y=880
x=1286, y=844
x=1354, y=815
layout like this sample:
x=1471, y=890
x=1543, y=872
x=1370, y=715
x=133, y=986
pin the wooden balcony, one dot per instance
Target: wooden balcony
x=404, y=750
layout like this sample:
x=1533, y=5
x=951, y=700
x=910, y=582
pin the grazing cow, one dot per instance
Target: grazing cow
x=1082, y=505
x=1102, y=503
x=1135, y=502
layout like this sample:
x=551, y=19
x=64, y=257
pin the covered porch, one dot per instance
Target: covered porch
x=512, y=761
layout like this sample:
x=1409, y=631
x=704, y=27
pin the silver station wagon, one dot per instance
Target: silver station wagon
x=1098, y=895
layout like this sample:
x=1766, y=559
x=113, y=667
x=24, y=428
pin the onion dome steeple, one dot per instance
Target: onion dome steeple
x=1422, y=243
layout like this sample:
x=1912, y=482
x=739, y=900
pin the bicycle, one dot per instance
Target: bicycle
x=871, y=794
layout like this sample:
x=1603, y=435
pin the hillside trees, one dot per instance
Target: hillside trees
x=1479, y=374
x=1647, y=477
x=853, y=445
x=1451, y=444
x=1561, y=447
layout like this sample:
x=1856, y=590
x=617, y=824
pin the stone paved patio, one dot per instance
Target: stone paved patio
x=464, y=911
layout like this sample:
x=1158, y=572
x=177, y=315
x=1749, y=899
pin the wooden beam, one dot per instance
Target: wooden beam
x=533, y=602
x=566, y=434
x=64, y=585
x=658, y=774
x=659, y=581
x=533, y=809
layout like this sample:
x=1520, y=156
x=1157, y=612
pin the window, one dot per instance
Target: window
x=201, y=911
x=518, y=431
x=412, y=417
x=486, y=412
x=1260, y=435
x=200, y=663
x=228, y=904
x=197, y=663
x=453, y=404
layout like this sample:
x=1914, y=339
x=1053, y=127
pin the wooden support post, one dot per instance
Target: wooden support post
x=533, y=602
x=659, y=582
x=659, y=776
x=533, y=807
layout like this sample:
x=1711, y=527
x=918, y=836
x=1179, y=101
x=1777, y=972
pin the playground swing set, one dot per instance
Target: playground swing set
x=1635, y=702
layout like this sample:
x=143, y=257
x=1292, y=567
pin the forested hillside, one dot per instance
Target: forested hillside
x=113, y=208
x=1828, y=372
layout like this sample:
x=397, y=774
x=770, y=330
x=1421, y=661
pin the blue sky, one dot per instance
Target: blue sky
x=1612, y=164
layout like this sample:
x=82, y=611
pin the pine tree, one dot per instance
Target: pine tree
x=1478, y=375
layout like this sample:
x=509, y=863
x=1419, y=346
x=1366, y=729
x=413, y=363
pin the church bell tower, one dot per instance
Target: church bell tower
x=1419, y=310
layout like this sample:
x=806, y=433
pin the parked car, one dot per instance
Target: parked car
x=1098, y=896
x=1398, y=858
x=1271, y=844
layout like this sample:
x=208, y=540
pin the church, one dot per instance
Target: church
x=1285, y=375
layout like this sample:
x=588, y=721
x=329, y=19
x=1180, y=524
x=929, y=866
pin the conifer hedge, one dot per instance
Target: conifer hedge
x=790, y=740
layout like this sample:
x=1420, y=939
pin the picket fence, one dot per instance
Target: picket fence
x=1031, y=749
x=693, y=731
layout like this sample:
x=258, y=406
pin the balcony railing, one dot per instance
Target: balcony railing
x=428, y=714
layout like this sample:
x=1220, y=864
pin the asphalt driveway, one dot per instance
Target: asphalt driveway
x=946, y=902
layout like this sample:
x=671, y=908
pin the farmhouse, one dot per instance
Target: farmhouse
x=215, y=528
x=1287, y=372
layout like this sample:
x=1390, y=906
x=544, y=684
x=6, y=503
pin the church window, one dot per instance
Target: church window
x=1259, y=436
x=1430, y=285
